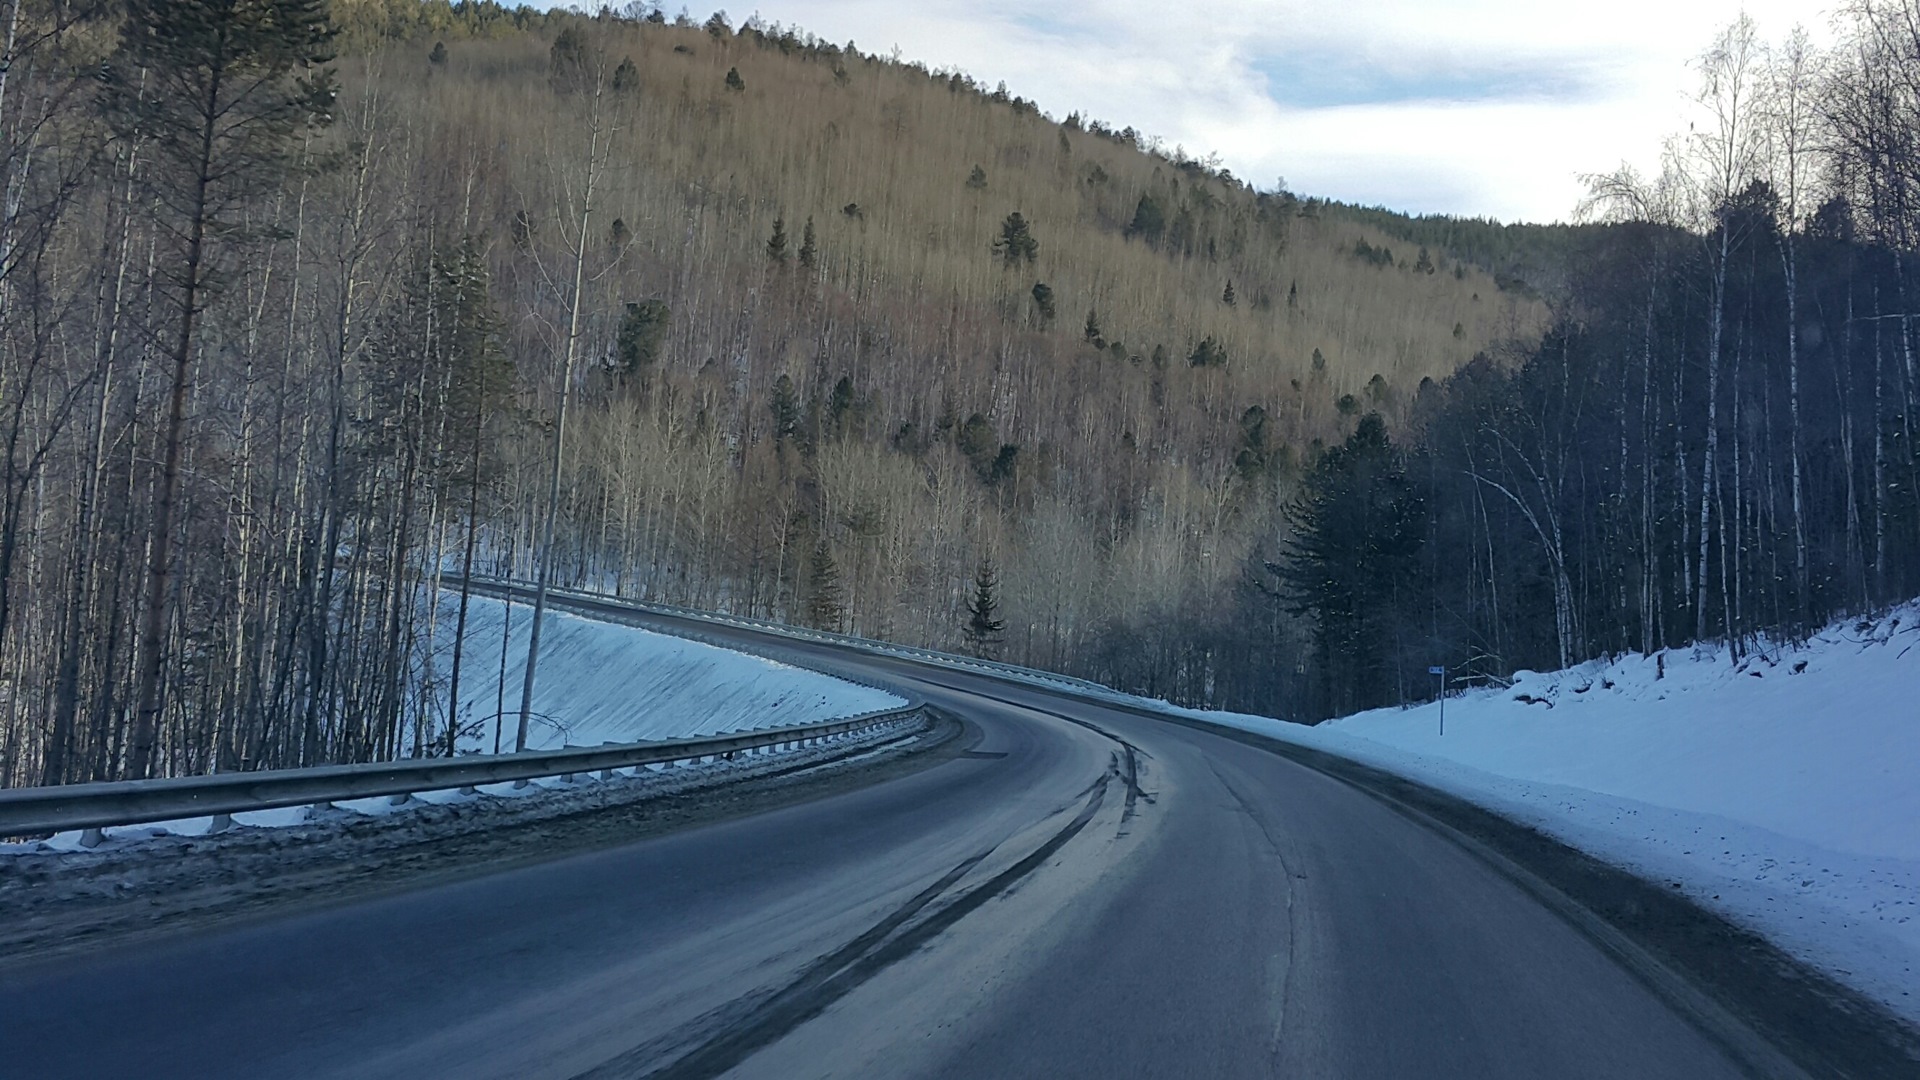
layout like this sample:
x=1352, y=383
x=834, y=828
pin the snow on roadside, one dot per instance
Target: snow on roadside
x=1783, y=793
x=599, y=682
x=607, y=682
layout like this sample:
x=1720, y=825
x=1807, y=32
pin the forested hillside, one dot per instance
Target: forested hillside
x=299, y=301
x=836, y=333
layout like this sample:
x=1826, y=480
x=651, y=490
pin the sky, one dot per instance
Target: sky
x=1490, y=108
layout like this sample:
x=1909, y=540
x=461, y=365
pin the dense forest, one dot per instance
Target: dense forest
x=304, y=306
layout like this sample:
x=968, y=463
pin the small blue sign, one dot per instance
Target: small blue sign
x=1436, y=671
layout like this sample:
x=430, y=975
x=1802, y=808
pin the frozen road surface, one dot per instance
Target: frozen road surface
x=1066, y=890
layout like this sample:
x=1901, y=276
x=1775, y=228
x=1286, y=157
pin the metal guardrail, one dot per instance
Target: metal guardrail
x=497, y=587
x=29, y=811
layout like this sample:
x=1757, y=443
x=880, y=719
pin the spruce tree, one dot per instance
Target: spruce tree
x=1227, y=297
x=439, y=54
x=734, y=81
x=215, y=92
x=823, y=589
x=777, y=243
x=1091, y=332
x=977, y=179
x=983, y=629
x=809, y=251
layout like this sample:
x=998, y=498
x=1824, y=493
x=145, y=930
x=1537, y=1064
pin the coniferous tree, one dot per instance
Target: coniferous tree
x=1227, y=297
x=734, y=81
x=809, y=250
x=643, y=326
x=1350, y=561
x=1016, y=242
x=785, y=407
x=626, y=77
x=1209, y=353
x=438, y=56
x=824, y=604
x=214, y=91
x=1149, y=220
x=568, y=61
x=983, y=628
x=777, y=243
x=1091, y=331
x=1043, y=302
x=977, y=179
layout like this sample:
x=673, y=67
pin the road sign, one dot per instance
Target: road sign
x=1436, y=671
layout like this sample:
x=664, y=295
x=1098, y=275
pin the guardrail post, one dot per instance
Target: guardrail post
x=92, y=838
x=220, y=823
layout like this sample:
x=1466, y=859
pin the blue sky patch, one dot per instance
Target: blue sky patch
x=1319, y=79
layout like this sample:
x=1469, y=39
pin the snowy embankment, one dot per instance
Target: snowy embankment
x=606, y=682
x=1783, y=792
x=599, y=682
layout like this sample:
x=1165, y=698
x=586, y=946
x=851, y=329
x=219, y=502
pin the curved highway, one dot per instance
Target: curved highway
x=1082, y=892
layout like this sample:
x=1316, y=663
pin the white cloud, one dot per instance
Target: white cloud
x=1490, y=107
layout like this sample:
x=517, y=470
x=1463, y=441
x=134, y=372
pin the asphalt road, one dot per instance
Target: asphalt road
x=1083, y=892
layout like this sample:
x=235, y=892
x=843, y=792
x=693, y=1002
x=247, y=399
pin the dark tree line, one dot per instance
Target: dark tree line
x=1715, y=441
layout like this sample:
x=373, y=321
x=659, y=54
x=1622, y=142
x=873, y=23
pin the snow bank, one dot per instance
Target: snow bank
x=606, y=682
x=1783, y=793
x=598, y=682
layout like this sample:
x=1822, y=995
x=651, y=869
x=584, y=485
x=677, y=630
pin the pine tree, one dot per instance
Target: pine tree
x=823, y=589
x=977, y=180
x=1016, y=242
x=785, y=407
x=777, y=243
x=438, y=56
x=643, y=326
x=214, y=91
x=1091, y=332
x=1149, y=220
x=626, y=77
x=1209, y=353
x=1350, y=562
x=1043, y=302
x=983, y=630
x=569, y=62
x=734, y=81
x=809, y=251
x=1227, y=297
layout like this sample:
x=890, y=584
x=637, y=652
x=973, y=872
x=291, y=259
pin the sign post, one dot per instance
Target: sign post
x=1441, y=671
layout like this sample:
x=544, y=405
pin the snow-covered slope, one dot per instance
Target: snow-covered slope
x=604, y=682
x=1784, y=792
